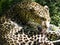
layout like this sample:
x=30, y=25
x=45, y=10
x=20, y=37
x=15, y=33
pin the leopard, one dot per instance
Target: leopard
x=19, y=25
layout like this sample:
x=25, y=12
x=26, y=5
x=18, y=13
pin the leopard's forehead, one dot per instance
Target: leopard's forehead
x=38, y=9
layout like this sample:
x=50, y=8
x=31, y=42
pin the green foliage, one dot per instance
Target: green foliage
x=6, y=4
x=54, y=6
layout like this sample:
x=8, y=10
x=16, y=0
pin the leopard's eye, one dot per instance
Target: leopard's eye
x=44, y=19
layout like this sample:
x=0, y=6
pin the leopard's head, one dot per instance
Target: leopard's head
x=41, y=14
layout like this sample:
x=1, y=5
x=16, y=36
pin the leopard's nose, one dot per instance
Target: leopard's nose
x=39, y=28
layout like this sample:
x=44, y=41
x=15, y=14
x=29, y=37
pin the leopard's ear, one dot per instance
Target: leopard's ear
x=46, y=7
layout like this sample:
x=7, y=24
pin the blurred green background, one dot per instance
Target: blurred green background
x=54, y=6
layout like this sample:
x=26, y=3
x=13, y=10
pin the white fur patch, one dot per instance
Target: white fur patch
x=47, y=24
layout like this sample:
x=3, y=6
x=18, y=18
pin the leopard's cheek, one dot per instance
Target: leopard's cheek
x=47, y=24
x=43, y=24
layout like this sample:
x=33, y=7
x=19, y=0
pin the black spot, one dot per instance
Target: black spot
x=28, y=36
x=26, y=40
x=22, y=43
x=31, y=39
x=35, y=37
x=19, y=40
x=29, y=43
x=34, y=43
x=37, y=40
x=21, y=31
x=12, y=44
x=24, y=36
x=16, y=33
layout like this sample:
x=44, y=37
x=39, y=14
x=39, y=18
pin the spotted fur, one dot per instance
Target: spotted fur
x=14, y=25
